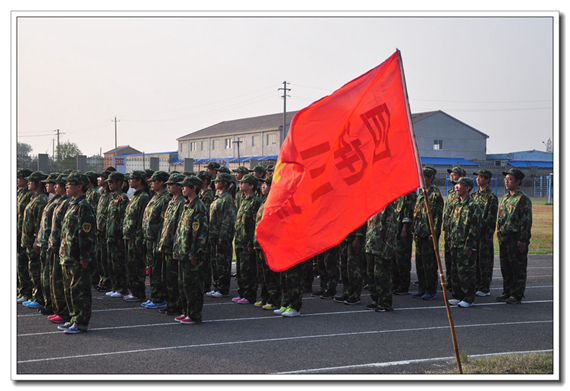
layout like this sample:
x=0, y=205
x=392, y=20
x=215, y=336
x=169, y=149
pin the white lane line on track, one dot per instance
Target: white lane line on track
x=404, y=362
x=289, y=339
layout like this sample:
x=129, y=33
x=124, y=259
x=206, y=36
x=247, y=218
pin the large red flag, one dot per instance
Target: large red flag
x=345, y=158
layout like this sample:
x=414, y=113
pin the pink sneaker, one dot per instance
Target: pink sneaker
x=187, y=320
x=236, y=299
x=243, y=301
x=57, y=319
x=179, y=318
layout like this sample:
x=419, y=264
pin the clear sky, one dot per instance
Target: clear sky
x=165, y=77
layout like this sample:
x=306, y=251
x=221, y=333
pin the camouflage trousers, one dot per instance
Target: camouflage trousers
x=77, y=288
x=352, y=269
x=170, y=276
x=292, y=286
x=426, y=266
x=35, y=272
x=448, y=258
x=45, y=275
x=93, y=266
x=381, y=287
x=190, y=281
x=207, y=270
x=330, y=271
x=221, y=257
x=154, y=262
x=309, y=274
x=247, y=274
x=117, y=269
x=136, y=269
x=57, y=290
x=402, y=264
x=463, y=276
x=103, y=263
x=485, y=264
x=24, y=283
x=270, y=280
x=513, y=266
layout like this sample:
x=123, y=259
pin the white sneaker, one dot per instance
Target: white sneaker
x=291, y=313
x=279, y=311
x=131, y=298
x=116, y=294
x=453, y=301
x=464, y=304
x=482, y=294
x=218, y=294
x=109, y=293
x=209, y=294
x=21, y=299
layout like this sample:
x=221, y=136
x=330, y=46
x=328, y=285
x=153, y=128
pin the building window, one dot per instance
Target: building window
x=181, y=147
x=497, y=163
x=202, y=145
x=228, y=143
x=192, y=146
x=215, y=144
x=271, y=139
x=255, y=141
x=437, y=144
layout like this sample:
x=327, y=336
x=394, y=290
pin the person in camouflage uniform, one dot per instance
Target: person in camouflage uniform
x=115, y=243
x=190, y=248
x=23, y=198
x=220, y=235
x=93, y=194
x=134, y=238
x=153, y=218
x=165, y=243
x=514, y=225
x=462, y=244
x=489, y=205
x=240, y=172
x=259, y=172
x=244, y=235
x=59, y=305
x=207, y=197
x=212, y=168
x=77, y=249
x=381, y=236
x=352, y=266
x=30, y=227
x=42, y=242
x=271, y=296
x=402, y=261
x=426, y=261
x=329, y=271
x=454, y=174
x=102, y=262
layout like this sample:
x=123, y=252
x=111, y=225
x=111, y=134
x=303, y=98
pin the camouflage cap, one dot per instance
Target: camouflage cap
x=51, y=177
x=116, y=176
x=174, y=172
x=188, y=173
x=464, y=180
x=241, y=170
x=223, y=177
x=267, y=180
x=213, y=165
x=457, y=170
x=224, y=170
x=192, y=180
x=159, y=176
x=36, y=176
x=175, y=179
x=429, y=171
x=104, y=174
x=24, y=172
x=148, y=172
x=258, y=169
x=68, y=171
x=518, y=174
x=271, y=168
x=92, y=175
x=252, y=180
x=78, y=177
x=136, y=174
x=484, y=172
x=205, y=175
x=60, y=179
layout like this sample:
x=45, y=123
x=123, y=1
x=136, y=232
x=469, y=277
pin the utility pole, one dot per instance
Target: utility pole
x=285, y=89
x=58, y=133
x=115, y=151
x=238, y=142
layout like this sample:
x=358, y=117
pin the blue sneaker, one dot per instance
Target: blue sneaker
x=25, y=303
x=151, y=305
x=73, y=330
x=162, y=305
x=146, y=303
x=64, y=326
x=34, y=304
x=418, y=294
x=428, y=296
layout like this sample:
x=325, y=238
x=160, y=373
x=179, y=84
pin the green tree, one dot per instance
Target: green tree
x=23, y=156
x=549, y=146
x=66, y=155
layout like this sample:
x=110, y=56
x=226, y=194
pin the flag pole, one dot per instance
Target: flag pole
x=424, y=190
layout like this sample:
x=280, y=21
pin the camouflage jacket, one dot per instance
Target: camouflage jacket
x=23, y=199
x=489, y=205
x=207, y=197
x=115, y=215
x=404, y=208
x=238, y=199
x=170, y=224
x=245, y=222
x=515, y=216
x=360, y=232
x=57, y=221
x=133, y=221
x=465, y=223
x=78, y=232
x=222, y=218
x=420, y=226
x=381, y=233
x=258, y=217
x=450, y=203
x=33, y=218
x=191, y=239
x=154, y=215
x=93, y=196
x=45, y=225
x=103, y=211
